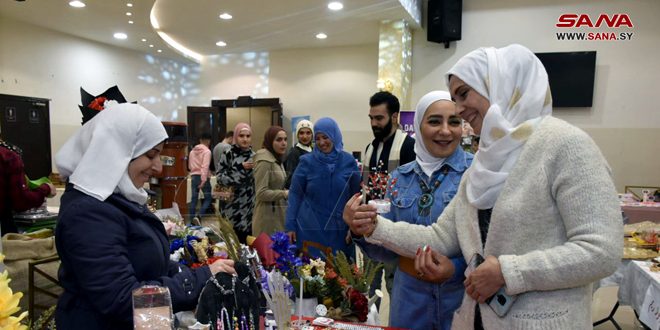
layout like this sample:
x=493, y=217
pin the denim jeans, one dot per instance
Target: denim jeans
x=206, y=189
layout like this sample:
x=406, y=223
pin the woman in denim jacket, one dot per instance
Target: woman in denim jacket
x=420, y=192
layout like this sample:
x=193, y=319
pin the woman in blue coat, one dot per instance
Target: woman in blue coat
x=322, y=184
x=108, y=241
x=420, y=192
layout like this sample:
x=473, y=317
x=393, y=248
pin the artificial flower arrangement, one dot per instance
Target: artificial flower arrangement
x=377, y=188
x=338, y=283
x=9, y=304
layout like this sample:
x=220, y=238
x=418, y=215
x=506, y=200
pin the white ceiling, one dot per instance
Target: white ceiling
x=257, y=25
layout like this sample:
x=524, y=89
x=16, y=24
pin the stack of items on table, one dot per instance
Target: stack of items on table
x=227, y=301
x=336, y=288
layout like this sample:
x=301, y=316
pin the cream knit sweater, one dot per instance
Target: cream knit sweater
x=556, y=228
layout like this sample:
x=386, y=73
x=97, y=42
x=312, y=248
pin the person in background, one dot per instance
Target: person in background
x=475, y=144
x=199, y=161
x=391, y=148
x=218, y=151
x=537, y=211
x=235, y=170
x=304, y=133
x=420, y=192
x=108, y=242
x=324, y=180
x=221, y=148
x=15, y=196
x=269, y=176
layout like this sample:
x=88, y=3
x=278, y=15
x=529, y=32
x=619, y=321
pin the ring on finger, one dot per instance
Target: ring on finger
x=420, y=274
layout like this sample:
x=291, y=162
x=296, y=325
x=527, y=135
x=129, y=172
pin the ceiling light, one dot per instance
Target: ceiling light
x=226, y=16
x=130, y=22
x=151, y=46
x=144, y=40
x=128, y=13
x=129, y=5
x=160, y=50
x=335, y=5
x=120, y=35
x=221, y=43
x=77, y=4
x=321, y=36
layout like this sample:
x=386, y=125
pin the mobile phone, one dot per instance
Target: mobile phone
x=474, y=262
x=501, y=302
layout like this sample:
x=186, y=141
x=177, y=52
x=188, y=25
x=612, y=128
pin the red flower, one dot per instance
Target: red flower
x=359, y=304
x=342, y=282
x=330, y=273
x=97, y=104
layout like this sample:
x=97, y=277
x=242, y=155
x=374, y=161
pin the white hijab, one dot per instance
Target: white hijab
x=300, y=125
x=426, y=161
x=515, y=82
x=96, y=158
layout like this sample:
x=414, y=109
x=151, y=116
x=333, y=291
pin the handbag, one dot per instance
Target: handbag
x=222, y=192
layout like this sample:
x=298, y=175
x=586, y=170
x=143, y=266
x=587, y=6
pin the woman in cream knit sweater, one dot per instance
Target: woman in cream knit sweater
x=538, y=202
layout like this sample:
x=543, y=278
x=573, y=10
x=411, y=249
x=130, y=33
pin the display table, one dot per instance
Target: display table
x=344, y=325
x=638, y=212
x=640, y=288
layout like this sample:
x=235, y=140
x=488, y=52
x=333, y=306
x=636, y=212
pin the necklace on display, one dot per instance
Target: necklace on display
x=426, y=200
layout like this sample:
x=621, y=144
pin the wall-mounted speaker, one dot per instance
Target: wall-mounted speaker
x=444, y=21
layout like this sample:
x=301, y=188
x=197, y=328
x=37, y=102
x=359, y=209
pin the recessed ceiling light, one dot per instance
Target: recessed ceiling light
x=77, y=4
x=120, y=35
x=321, y=36
x=335, y=5
x=130, y=22
x=151, y=46
x=160, y=50
x=128, y=13
x=144, y=40
x=129, y=5
x=226, y=16
x=221, y=43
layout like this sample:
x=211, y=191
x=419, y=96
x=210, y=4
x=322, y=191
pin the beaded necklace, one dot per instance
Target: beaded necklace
x=426, y=200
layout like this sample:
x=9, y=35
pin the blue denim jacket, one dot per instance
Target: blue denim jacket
x=417, y=304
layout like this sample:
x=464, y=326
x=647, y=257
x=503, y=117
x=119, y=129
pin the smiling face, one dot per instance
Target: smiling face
x=305, y=136
x=244, y=139
x=471, y=105
x=279, y=143
x=441, y=129
x=324, y=143
x=146, y=165
x=382, y=124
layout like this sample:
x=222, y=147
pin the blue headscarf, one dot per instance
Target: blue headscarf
x=329, y=127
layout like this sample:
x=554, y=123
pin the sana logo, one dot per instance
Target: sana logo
x=584, y=20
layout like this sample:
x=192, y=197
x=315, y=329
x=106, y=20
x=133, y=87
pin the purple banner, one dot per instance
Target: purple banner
x=407, y=121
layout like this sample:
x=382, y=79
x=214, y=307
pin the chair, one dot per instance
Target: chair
x=49, y=288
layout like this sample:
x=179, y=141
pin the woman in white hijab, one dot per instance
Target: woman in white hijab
x=304, y=133
x=108, y=241
x=419, y=192
x=538, y=204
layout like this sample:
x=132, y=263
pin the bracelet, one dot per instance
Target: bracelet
x=373, y=230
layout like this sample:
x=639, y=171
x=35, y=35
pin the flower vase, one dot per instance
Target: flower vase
x=308, y=307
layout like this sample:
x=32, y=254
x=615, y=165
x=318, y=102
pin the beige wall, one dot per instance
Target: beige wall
x=624, y=119
x=334, y=82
